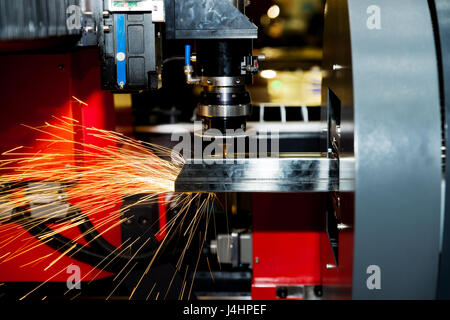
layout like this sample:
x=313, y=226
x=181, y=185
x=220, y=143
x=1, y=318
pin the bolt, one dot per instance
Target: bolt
x=330, y=266
x=105, y=14
x=342, y=226
x=106, y=29
x=88, y=29
x=143, y=221
x=318, y=291
x=256, y=260
x=282, y=292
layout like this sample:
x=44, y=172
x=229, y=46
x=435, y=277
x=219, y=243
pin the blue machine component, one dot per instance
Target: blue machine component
x=187, y=55
x=121, y=57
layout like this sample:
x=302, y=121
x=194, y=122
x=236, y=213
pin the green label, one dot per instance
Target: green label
x=123, y=4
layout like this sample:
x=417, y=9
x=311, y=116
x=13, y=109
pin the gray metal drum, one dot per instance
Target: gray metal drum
x=381, y=70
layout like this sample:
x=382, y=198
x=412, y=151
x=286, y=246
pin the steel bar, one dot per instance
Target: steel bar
x=267, y=175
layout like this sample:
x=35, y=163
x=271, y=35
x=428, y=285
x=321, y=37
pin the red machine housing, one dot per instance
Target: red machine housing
x=291, y=245
x=35, y=88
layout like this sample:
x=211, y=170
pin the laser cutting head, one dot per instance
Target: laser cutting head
x=224, y=67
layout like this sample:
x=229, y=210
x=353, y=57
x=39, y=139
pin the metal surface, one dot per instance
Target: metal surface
x=208, y=19
x=292, y=127
x=222, y=81
x=47, y=200
x=266, y=175
x=397, y=145
x=234, y=249
x=443, y=20
x=22, y=19
x=224, y=97
x=224, y=111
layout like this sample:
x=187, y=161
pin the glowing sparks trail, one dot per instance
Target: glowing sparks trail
x=71, y=183
x=114, y=167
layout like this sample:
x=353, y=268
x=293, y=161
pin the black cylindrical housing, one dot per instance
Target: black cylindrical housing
x=218, y=60
x=222, y=58
x=226, y=98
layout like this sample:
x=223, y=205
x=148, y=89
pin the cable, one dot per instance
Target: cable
x=100, y=252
